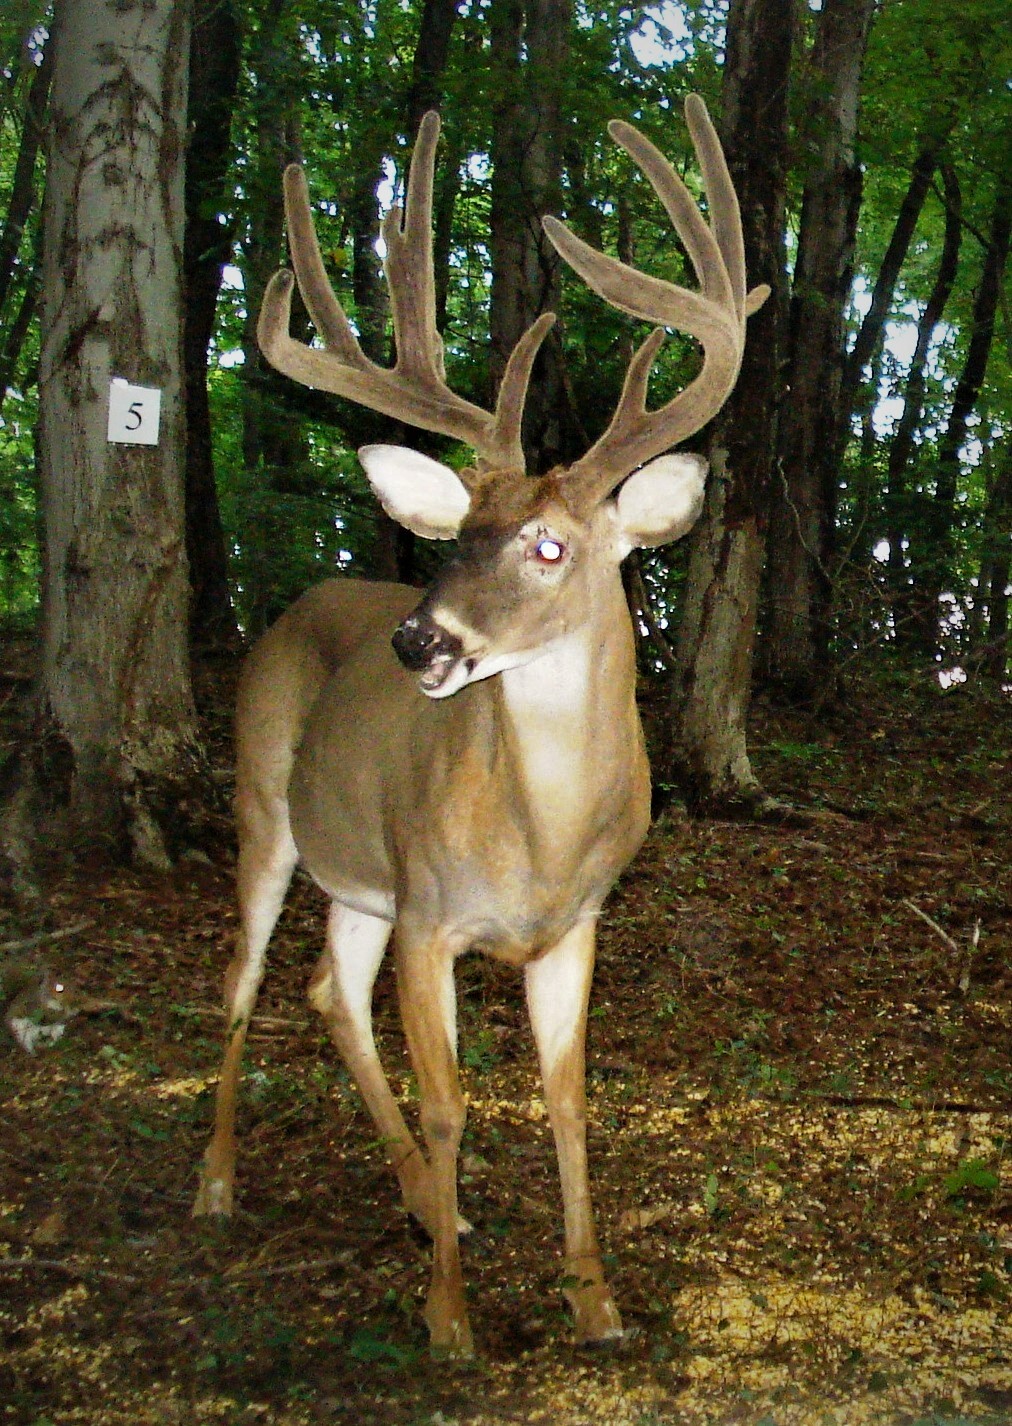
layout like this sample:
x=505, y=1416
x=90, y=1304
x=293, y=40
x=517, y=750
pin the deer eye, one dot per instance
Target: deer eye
x=549, y=551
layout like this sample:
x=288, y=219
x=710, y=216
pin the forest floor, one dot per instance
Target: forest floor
x=800, y=1120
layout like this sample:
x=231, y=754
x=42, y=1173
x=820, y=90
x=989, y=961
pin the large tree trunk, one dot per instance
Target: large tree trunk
x=116, y=710
x=713, y=681
x=214, y=80
x=530, y=43
x=803, y=522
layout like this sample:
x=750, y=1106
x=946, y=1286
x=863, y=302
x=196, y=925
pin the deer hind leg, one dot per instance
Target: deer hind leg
x=428, y=1011
x=266, y=863
x=558, y=990
x=341, y=990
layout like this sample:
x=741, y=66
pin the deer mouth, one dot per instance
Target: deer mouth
x=437, y=656
x=446, y=676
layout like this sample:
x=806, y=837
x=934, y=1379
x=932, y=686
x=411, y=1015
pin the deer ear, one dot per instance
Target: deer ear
x=662, y=500
x=421, y=494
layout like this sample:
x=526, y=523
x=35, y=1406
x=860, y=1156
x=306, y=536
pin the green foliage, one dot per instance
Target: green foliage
x=21, y=34
x=972, y=1175
x=19, y=555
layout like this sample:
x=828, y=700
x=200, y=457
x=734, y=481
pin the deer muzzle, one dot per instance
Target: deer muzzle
x=426, y=648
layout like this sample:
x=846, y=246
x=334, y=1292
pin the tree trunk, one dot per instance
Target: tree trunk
x=431, y=54
x=899, y=521
x=530, y=44
x=869, y=334
x=17, y=330
x=803, y=523
x=275, y=451
x=214, y=80
x=713, y=683
x=995, y=572
x=22, y=194
x=18, y=300
x=932, y=568
x=395, y=546
x=116, y=710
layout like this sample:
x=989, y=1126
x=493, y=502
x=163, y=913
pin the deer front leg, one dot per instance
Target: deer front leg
x=265, y=869
x=558, y=991
x=429, y=1014
x=341, y=990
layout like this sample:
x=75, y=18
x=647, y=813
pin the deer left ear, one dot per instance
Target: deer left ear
x=419, y=493
x=662, y=500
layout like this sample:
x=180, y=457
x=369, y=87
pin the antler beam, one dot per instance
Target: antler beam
x=715, y=315
x=414, y=389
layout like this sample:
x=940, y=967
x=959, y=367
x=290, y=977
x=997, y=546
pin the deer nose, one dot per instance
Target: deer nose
x=418, y=641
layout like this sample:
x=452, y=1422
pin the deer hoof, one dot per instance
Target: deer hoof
x=449, y=1330
x=596, y=1322
x=456, y=1346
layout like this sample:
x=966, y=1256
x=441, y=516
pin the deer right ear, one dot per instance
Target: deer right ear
x=424, y=496
x=662, y=500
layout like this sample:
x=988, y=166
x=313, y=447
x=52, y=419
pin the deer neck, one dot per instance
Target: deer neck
x=570, y=730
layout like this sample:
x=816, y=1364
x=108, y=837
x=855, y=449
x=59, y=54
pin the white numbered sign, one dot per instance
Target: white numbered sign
x=134, y=413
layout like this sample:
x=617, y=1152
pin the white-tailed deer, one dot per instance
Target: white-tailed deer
x=478, y=782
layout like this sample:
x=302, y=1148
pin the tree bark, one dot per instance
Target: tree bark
x=796, y=651
x=213, y=83
x=116, y=711
x=712, y=687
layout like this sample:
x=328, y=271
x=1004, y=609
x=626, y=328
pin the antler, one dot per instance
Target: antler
x=414, y=389
x=715, y=315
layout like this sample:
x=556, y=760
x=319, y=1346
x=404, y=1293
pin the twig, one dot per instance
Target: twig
x=70, y=1269
x=645, y=608
x=301, y=1265
x=880, y=1101
x=42, y=937
x=944, y=935
x=218, y=1013
x=963, y=983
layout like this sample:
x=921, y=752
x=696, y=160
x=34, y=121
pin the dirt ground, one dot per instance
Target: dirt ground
x=801, y=1103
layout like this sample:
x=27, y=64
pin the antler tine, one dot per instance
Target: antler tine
x=408, y=264
x=715, y=315
x=725, y=215
x=415, y=389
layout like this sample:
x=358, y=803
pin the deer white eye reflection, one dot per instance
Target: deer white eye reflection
x=549, y=551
